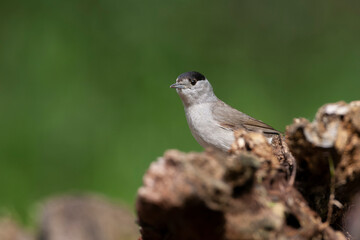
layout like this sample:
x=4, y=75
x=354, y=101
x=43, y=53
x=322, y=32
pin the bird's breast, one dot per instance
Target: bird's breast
x=205, y=129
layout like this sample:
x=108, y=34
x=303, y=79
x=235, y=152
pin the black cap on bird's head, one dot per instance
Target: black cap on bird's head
x=194, y=88
x=191, y=77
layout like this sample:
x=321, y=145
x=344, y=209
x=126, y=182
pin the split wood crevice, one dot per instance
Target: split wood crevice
x=249, y=193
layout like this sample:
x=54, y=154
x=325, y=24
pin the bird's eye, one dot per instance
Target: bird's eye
x=192, y=81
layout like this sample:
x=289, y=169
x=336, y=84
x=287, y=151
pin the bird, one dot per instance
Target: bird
x=211, y=121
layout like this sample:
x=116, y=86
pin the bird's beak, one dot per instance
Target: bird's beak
x=177, y=85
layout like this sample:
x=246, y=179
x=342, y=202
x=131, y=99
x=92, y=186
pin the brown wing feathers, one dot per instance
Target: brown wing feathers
x=233, y=119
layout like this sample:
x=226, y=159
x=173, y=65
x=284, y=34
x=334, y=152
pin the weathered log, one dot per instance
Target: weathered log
x=246, y=194
x=327, y=152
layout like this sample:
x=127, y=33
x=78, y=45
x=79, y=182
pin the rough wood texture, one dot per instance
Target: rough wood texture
x=249, y=192
x=327, y=152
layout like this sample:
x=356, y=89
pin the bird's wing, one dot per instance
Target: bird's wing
x=232, y=119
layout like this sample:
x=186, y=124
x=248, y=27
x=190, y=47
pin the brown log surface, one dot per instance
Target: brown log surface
x=248, y=193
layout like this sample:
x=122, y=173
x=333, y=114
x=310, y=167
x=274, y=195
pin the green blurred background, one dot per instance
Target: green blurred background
x=85, y=101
